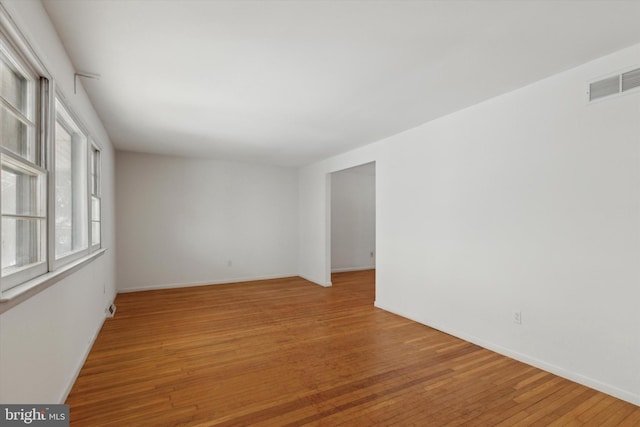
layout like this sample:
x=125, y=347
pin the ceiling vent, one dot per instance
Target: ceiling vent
x=614, y=85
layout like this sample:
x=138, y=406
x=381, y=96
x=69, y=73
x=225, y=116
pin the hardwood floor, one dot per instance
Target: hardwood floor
x=287, y=353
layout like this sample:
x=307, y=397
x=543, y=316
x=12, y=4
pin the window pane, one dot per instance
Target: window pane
x=95, y=221
x=95, y=233
x=22, y=243
x=64, y=192
x=22, y=191
x=13, y=86
x=9, y=250
x=93, y=171
x=95, y=198
x=71, y=217
x=15, y=135
x=93, y=177
x=95, y=209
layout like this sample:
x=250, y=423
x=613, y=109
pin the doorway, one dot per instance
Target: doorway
x=353, y=219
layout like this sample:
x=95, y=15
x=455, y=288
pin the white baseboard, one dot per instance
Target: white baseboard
x=541, y=364
x=81, y=363
x=308, y=279
x=346, y=269
x=209, y=282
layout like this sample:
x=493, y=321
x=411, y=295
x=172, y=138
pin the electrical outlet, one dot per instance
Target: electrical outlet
x=371, y=254
x=517, y=317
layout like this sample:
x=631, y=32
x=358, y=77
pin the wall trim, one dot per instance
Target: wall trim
x=347, y=269
x=205, y=283
x=316, y=282
x=80, y=365
x=521, y=357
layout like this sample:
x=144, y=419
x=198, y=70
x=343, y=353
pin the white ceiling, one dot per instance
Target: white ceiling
x=292, y=82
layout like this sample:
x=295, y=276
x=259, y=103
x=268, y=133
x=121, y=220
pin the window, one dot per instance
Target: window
x=23, y=193
x=94, y=163
x=17, y=115
x=50, y=199
x=70, y=204
x=23, y=219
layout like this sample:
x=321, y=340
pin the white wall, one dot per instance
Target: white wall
x=180, y=221
x=44, y=340
x=314, y=212
x=527, y=202
x=353, y=219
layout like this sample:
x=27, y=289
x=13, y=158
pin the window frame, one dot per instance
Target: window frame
x=18, y=55
x=79, y=253
x=28, y=272
x=34, y=117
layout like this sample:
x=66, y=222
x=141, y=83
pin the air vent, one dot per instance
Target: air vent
x=631, y=80
x=614, y=85
x=111, y=310
x=602, y=88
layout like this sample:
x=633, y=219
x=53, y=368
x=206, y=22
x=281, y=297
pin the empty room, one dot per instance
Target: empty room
x=320, y=212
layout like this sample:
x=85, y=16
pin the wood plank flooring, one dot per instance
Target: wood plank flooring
x=287, y=353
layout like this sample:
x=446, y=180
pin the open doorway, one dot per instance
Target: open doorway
x=353, y=220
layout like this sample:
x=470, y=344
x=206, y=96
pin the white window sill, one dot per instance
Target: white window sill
x=14, y=296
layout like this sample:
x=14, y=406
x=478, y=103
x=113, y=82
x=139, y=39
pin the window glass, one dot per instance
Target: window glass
x=23, y=217
x=16, y=127
x=15, y=135
x=95, y=196
x=13, y=85
x=71, y=216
